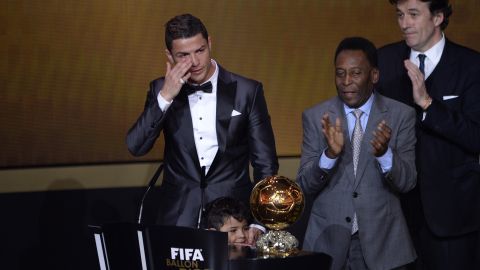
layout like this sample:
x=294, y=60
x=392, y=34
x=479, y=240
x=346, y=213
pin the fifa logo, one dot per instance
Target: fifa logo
x=186, y=254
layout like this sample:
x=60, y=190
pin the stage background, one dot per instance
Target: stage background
x=73, y=79
x=74, y=74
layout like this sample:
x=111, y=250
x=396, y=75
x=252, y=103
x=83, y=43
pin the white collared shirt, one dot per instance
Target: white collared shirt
x=203, y=109
x=432, y=58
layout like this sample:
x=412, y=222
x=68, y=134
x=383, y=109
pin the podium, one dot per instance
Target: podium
x=132, y=246
x=119, y=245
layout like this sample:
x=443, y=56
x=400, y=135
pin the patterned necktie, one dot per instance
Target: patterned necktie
x=356, y=141
x=421, y=58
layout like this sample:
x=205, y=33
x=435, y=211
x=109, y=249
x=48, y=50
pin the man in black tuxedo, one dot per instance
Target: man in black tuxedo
x=212, y=120
x=441, y=80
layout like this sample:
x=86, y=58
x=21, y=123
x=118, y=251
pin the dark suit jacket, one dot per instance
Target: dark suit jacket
x=241, y=138
x=372, y=195
x=448, y=140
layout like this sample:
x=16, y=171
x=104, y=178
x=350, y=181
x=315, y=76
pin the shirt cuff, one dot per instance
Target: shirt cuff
x=385, y=161
x=325, y=162
x=260, y=227
x=162, y=103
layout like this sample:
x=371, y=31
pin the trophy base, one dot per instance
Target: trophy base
x=277, y=244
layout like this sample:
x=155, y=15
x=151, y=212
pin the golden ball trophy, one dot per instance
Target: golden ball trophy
x=277, y=202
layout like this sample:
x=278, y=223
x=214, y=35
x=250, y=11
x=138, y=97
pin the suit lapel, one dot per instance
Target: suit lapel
x=180, y=111
x=183, y=126
x=377, y=114
x=400, y=85
x=405, y=94
x=335, y=111
x=445, y=69
x=226, y=90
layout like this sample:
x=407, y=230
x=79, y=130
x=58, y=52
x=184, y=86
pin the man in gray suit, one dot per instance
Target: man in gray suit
x=357, y=156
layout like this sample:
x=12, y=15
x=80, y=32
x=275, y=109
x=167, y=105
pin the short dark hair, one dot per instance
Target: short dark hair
x=220, y=209
x=183, y=26
x=435, y=6
x=359, y=44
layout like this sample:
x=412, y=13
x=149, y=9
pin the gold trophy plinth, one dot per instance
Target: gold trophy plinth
x=277, y=202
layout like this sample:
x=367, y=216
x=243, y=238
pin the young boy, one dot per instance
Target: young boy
x=229, y=215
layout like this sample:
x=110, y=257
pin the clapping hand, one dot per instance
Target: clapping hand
x=381, y=138
x=334, y=136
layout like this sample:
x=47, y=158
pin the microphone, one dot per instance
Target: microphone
x=203, y=184
x=150, y=186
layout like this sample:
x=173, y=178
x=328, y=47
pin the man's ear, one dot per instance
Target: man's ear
x=375, y=73
x=438, y=18
x=169, y=56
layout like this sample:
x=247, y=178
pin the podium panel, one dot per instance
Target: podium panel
x=119, y=246
x=137, y=247
x=186, y=248
x=132, y=246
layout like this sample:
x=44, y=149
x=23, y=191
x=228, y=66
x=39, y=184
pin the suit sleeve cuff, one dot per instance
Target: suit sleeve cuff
x=326, y=163
x=385, y=161
x=162, y=103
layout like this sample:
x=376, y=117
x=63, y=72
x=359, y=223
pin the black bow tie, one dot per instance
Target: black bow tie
x=190, y=88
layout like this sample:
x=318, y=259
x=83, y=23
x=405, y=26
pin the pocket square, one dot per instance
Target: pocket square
x=449, y=97
x=235, y=113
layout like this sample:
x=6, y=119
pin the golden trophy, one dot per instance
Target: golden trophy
x=277, y=202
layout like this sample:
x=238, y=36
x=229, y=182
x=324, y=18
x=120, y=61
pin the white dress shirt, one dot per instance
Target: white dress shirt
x=203, y=109
x=432, y=58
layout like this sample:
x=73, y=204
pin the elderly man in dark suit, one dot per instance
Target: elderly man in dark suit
x=441, y=80
x=211, y=119
x=357, y=157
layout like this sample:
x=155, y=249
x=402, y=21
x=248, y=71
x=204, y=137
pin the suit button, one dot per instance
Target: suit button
x=355, y=194
x=348, y=219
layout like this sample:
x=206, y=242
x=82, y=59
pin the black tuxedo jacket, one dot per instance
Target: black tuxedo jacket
x=241, y=138
x=448, y=139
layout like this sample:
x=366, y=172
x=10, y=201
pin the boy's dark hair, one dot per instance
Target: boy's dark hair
x=220, y=209
x=435, y=6
x=360, y=44
x=183, y=26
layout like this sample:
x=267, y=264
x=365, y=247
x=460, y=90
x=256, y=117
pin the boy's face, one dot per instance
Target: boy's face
x=237, y=231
